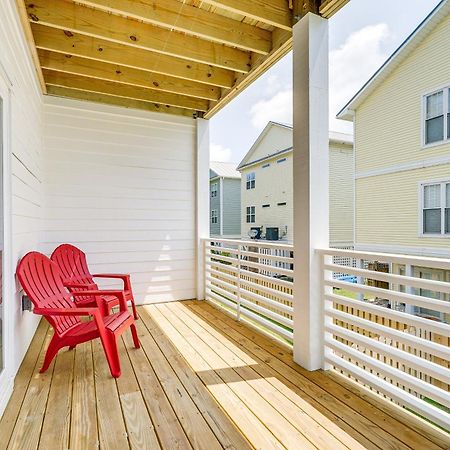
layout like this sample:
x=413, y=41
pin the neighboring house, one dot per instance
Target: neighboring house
x=402, y=150
x=225, y=200
x=267, y=186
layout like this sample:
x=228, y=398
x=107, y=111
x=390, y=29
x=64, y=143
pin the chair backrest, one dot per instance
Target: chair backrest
x=73, y=265
x=42, y=281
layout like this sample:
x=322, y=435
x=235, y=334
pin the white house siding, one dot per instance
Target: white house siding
x=120, y=185
x=389, y=122
x=25, y=193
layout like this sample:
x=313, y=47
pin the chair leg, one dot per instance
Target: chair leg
x=112, y=354
x=52, y=350
x=135, y=336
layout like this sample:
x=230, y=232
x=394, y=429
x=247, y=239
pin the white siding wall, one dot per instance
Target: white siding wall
x=120, y=185
x=25, y=191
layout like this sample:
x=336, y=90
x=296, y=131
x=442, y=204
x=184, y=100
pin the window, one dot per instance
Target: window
x=437, y=116
x=214, y=216
x=266, y=206
x=251, y=180
x=281, y=204
x=213, y=190
x=436, y=208
x=282, y=160
x=250, y=214
x=266, y=165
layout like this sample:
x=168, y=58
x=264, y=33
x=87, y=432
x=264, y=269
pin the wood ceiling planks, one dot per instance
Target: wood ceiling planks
x=182, y=57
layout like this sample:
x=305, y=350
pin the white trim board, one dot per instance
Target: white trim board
x=412, y=165
x=400, y=249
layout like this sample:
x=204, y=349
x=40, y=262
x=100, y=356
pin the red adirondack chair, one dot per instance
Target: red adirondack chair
x=43, y=283
x=73, y=265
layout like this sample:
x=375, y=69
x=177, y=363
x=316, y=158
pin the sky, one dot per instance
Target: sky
x=362, y=36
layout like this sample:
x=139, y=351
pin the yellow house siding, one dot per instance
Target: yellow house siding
x=341, y=194
x=388, y=208
x=389, y=122
x=273, y=185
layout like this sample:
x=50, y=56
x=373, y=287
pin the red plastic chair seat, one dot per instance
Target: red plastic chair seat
x=42, y=281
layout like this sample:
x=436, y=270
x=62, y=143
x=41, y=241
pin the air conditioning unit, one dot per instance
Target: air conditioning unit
x=255, y=232
x=272, y=234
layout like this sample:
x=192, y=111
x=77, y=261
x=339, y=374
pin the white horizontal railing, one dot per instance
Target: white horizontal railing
x=252, y=280
x=388, y=329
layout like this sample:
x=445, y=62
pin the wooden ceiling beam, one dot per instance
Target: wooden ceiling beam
x=330, y=7
x=122, y=90
x=192, y=20
x=127, y=75
x=271, y=12
x=57, y=40
x=81, y=19
x=58, y=91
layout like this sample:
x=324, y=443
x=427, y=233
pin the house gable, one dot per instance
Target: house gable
x=274, y=138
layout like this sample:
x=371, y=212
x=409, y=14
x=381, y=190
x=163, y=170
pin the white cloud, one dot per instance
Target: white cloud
x=277, y=108
x=352, y=64
x=219, y=153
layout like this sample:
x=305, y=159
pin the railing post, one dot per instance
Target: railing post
x=311, y=186
x=238, y=313
x=360, y=280
x=201, y=202
x=327, y=306
x=409, y=272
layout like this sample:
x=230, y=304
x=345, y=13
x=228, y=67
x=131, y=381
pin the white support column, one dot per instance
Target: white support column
x=311, y=191
x=202, y=201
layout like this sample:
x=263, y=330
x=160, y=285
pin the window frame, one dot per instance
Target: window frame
x=250, y=180
x=214, y=189
x=214, y=215
x=250, y=211
x=446, y=113
x=443, y=197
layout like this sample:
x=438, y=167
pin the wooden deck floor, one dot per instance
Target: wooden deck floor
x=201, y=380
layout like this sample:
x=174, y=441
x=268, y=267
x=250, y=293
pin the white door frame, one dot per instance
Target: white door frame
x=6, y=375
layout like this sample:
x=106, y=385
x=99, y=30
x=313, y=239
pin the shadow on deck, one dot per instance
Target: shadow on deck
x=201, y=380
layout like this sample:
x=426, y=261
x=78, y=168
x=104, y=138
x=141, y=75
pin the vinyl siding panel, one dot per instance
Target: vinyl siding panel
x=388, y=209
x=214, y=203
x=25, y=155
x=274, y=184
x=120, y=185
x=231, y=207
x=341, y=195
x=389, y=122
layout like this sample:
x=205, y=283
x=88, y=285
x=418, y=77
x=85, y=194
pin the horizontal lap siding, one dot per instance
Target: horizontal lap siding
x=388, y=211
x=389, y=122
x=26, y=171
x=120, y=185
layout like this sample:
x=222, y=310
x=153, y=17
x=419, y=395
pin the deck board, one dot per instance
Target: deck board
x=201, y=380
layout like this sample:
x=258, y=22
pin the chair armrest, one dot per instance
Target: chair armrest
x=121, y=276
x=99, y=293
x=66, y=311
